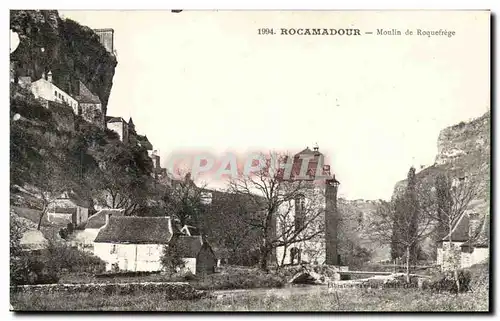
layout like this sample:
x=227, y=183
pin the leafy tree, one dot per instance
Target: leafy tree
x=124, y=175
x=403, y=223
x=225, y=222
x=184, y=200
x=171, y=258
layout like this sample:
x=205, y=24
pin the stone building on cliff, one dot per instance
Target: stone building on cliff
x=89, y=106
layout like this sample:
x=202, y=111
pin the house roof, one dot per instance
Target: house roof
x=33, y=240
x=189, y=246
x=136, y=230
x=86, y=96
x=460, y=230
x=483, y=237
x=63, y=210
x=112, y=119
x=74, y=198
x=144, y=141
x=98, y=220
x=305, y=151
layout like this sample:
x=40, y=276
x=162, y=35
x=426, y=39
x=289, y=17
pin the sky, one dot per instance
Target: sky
x=206, y=81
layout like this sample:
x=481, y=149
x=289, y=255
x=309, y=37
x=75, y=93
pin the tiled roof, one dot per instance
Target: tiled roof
x=111, y=119
x=63, y=210
x=136, y=230
x=86, y=96
x=460, y=230
x=74, y=198
x=33, y=240
x=483, y=237
x=306, y=151
x=188, y=246
x=99, y=219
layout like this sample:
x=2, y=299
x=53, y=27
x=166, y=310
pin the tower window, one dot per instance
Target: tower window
x=300, y=201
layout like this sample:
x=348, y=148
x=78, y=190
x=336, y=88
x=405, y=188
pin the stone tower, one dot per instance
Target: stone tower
x=106, y=37
x=331, y=221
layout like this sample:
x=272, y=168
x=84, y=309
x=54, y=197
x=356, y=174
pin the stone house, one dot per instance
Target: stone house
x=469, y=242
x=319, y=195
x=131, y=243
x=119, y=126
x=89, y=106
x=197, y=254
x=69, y=208
x=106, y=38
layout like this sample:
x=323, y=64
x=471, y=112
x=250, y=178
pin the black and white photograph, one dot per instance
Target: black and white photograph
x=250, y=160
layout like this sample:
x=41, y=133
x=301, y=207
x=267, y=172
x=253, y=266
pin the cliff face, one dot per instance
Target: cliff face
x=71, y=51
x=466, y=146
x=463, y=149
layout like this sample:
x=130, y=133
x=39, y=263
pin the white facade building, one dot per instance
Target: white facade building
x=46, y=89
x=131, y=243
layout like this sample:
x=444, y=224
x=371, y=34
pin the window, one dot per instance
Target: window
x=295, y=255
x=150, y=250
x=55, y=93
x=113, y=249
x=300, y=202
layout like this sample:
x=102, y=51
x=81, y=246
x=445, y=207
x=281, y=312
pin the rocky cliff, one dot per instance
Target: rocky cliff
x=71, y=51
x=463, y=150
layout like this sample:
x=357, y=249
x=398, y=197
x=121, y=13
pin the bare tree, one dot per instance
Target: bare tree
x=274, y=198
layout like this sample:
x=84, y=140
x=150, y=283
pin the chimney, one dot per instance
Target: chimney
x=107, y=218
x=49, y=76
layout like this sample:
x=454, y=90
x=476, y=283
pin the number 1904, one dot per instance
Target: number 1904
x=266, y=31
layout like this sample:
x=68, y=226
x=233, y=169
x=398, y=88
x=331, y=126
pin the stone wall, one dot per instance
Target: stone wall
x=170, y=290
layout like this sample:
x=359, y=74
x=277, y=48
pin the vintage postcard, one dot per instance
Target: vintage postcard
x=183, y=160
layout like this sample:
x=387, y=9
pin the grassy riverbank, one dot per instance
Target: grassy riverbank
x=344, y=300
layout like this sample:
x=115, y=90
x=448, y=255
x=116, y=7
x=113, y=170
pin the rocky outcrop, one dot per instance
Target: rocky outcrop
x=464, y=149
x=72, y=52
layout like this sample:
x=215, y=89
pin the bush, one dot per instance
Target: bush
x=66, y=258
x=240, y=278
x=190, y=276
x=480, y=277
x=445, y=282
x=31, y=270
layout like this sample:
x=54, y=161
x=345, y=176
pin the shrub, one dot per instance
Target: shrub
x=32, y=270
x=63, y=257
x=171, y=258
x=238, y=278
x=480, y=277
x=445, y=282
x=189, y=276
